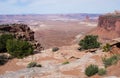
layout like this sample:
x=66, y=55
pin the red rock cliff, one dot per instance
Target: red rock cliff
x=109, y=22
x=108, y=27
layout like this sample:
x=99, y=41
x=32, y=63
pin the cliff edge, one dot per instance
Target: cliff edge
x=108, y=27
x=22, y=32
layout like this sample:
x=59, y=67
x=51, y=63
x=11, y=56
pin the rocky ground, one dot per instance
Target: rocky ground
x=63, y=35
x=52, y=66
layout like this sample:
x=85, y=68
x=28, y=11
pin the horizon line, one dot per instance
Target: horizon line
x=50, y=13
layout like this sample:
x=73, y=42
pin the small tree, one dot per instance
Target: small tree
x=89, y=42
x=3, y=40
x=19, y=48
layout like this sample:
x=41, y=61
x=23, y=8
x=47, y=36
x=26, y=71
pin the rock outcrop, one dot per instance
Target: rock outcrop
x=108, y=27
x=110, y=22
x=20, y=31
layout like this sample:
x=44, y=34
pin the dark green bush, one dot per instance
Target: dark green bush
x=67, y=62
x=33, y=64
x=55, y=49
x=111, y=60
x=91, y=70
x=106, y=48
x=3, y=40
x=102, y=71
x=89, y=42
x=19, y=48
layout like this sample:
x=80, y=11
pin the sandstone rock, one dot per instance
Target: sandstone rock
x=108, y=22
x=21, y=31
x=108, y=27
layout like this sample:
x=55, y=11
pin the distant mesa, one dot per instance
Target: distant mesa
x=108, y=26
x=116, y=12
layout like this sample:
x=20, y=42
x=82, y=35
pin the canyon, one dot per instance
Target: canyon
x=65, y=35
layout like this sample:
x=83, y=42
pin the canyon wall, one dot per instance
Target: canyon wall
x=110, y=22
x=108, y=27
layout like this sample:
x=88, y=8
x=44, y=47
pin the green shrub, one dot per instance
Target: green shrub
x=111, y=60
x=91, y=70
x=19, y=48
x=33, y=64
x=102, y=71
x=55, y=49
x=3, y=40
x=106, y=48
x=89, y=42
x=67, y=62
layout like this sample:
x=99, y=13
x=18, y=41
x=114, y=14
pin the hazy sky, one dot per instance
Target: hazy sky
x=57, y=6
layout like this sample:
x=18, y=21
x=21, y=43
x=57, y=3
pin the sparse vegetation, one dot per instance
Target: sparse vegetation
x=89, y=42
x=91, y=70
x=101, y=71
x=55, y=49
x=66, y=62
x=3, y=40
x=33, y=64
x=106, y=48
x=111, y=60
x=19, y=48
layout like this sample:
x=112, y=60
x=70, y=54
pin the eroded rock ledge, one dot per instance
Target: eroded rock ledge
x=21, y=31
x=110, y=22
x=108, y=27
